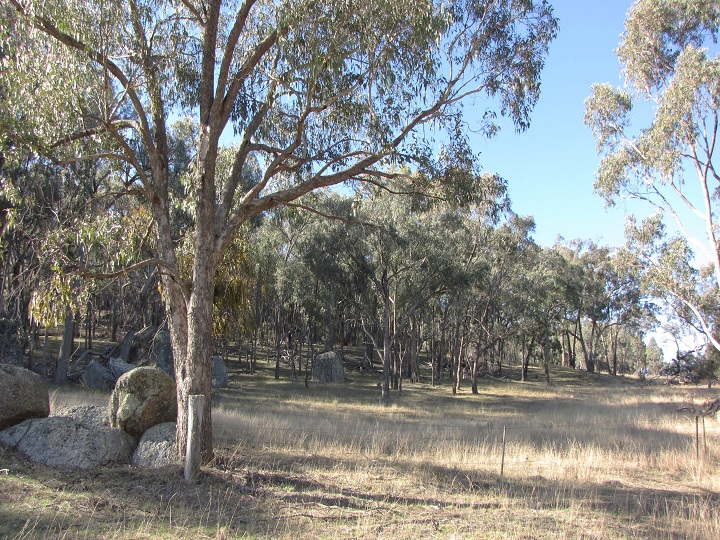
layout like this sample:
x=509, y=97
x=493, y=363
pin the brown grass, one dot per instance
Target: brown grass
x=589, y=456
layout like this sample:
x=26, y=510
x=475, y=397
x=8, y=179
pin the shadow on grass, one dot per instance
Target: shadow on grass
x=278, y=479
x=241, y=495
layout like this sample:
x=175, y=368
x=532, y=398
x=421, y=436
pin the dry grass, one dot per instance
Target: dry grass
x=587, y=457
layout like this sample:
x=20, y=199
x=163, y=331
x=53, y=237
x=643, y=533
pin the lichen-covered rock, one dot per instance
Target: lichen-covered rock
x=219, y=373
x=142, y=398
x=328, y=368
x=157, y=447
x=23, y=395
x=79, y=438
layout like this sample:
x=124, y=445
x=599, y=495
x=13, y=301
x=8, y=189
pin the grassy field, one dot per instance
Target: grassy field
x=589, y=456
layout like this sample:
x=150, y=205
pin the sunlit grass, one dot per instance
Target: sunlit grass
x=586, y=457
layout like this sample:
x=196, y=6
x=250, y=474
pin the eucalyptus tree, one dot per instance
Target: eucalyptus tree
x=30, y=198
x=322, y=250
x=47, y=210
x=603, y=302
x=670, y=164
x=410, y=250
x=653, y=361
x=550, y=287
x=287, y=283
x=592, y=298
x=316, y=92
x=499, y=290
x=391, y=258
x=628, y=316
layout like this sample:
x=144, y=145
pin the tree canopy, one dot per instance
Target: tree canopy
x=670, y=164
x=314, y=93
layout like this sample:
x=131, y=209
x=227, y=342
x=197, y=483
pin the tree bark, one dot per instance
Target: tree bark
x=387, y=353
x=193, y=356
x=329, y=320
x=66, y=347
x=45, y=353
x=414, y=353
x=546, y=355
x=525, y=359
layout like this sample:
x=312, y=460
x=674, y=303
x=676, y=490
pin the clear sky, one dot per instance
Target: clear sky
x=550, y=168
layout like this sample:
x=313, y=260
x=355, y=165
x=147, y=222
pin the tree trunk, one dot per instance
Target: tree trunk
x=387, y=354
x=475, y=370
x=329, y=320
x=476, y=360
x=414, y=362
x=89, y=326
x=278, y=343
x=525, y=359
x=432, y=352
x=45, y=353
x=613, y=349
x=127, y=345
x=113, y=322
x=32, y=342
x=588, y=352
x=193, y=355
x=546, y=356
x=566, y=353
x=66, y=347
x=369, y=351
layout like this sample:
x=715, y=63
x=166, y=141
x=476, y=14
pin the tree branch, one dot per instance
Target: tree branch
x=338, y=218
x=51, y=30
x=233, y=37
x=194, y=12
x=87, y=273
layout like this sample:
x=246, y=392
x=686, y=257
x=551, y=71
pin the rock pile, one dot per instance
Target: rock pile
x=79, y=437
x=142, y=406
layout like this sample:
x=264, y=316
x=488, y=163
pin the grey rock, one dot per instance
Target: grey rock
x=152, y=347
x=157, y=447
x=87, y=416
x=118, y=368
x=328, y=368
x=66, y=441
x=98, y=377
x=162, y=353
x=10, y=347
x=141, y=347
x=23, y=395
x=142, y=398
x=219, y=373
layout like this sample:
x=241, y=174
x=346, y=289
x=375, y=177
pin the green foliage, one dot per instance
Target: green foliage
x=233, y=286
x=317, y=93
x=657, y=33
x=665, y=62
x=708, y=367
x=654, y=359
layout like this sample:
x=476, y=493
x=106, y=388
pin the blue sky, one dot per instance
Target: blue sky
x=550, y=168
